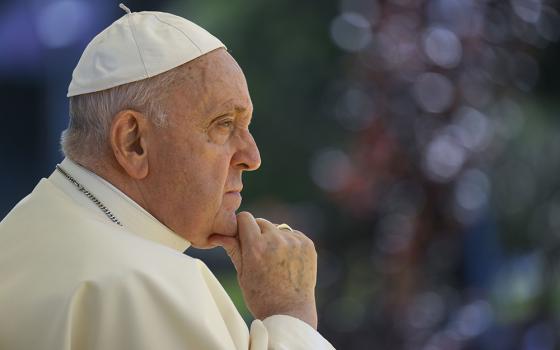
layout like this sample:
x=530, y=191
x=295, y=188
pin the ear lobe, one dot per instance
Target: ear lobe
x=129, y=142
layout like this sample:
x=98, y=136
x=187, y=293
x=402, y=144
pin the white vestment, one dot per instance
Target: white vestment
x=70, y=278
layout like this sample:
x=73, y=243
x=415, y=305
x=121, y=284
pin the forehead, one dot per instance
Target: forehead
x=213, y=83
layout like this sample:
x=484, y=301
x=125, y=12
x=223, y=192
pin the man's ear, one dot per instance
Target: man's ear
x=129, y=142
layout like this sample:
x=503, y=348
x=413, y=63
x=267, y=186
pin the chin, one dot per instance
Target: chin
x=225, y=224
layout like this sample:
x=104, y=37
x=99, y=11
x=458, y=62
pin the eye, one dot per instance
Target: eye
x=226, y=123
x=222, y=129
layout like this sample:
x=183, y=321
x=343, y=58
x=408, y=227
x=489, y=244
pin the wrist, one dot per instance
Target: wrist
x=306, y=313
x=309, y=317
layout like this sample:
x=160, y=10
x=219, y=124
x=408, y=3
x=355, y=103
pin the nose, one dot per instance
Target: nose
x=247, y=157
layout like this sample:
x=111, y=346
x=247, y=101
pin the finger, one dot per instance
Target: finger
x=265, y=225
x=227, y=242
x=247, y=228
x=304, y=238
x=230, y=245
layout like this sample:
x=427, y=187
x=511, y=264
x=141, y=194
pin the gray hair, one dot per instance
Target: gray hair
x=91, y=114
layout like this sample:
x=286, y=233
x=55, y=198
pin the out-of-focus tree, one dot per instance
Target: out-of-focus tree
x=449, y=175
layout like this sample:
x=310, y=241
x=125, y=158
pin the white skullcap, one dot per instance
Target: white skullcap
x=137, y=46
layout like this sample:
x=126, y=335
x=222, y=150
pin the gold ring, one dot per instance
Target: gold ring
x=284, y=227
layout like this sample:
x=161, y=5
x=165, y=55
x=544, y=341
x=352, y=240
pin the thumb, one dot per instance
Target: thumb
x=231, y=246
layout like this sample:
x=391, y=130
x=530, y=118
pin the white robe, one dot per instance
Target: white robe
x=72, y=279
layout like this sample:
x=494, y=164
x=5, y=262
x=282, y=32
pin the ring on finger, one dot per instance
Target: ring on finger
x=284, y=227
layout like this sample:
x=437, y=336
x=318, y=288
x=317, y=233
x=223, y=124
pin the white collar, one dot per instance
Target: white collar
x=132, y=216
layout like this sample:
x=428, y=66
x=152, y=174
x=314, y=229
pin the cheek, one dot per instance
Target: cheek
x=202, y=181
x=193, y=178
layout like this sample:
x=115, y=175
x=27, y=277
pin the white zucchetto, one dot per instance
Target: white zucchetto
x=137, y=46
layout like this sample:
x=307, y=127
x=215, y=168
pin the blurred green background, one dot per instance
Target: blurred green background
x=416, y=141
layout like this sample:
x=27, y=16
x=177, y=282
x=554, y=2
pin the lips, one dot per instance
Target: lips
x=233, y=198
x=236, y=189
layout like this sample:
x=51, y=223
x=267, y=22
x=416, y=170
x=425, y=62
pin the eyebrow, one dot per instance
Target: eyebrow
x=229, y=105
x=233, y=106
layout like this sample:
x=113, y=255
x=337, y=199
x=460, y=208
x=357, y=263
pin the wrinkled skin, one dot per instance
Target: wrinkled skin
x=276, y=269
x=188, y=176
x=198, y=159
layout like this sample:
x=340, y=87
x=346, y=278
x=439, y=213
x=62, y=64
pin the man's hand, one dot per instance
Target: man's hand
x=276, y=269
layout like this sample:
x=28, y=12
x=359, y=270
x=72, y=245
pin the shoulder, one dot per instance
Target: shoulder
x=83, y=270
x=80, y=245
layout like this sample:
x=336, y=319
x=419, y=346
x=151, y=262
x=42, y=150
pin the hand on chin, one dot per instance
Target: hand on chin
x=223, y=229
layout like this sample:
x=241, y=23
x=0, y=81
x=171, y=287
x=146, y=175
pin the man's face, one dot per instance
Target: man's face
x=196, y=162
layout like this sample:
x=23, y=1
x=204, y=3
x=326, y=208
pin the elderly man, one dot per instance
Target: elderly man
x=157, y=142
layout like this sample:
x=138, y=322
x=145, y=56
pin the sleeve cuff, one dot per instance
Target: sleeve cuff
x=289, y=333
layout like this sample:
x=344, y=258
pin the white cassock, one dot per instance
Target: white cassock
x=70, y=278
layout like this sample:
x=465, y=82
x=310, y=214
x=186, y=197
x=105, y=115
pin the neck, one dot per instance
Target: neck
x=112, y=172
